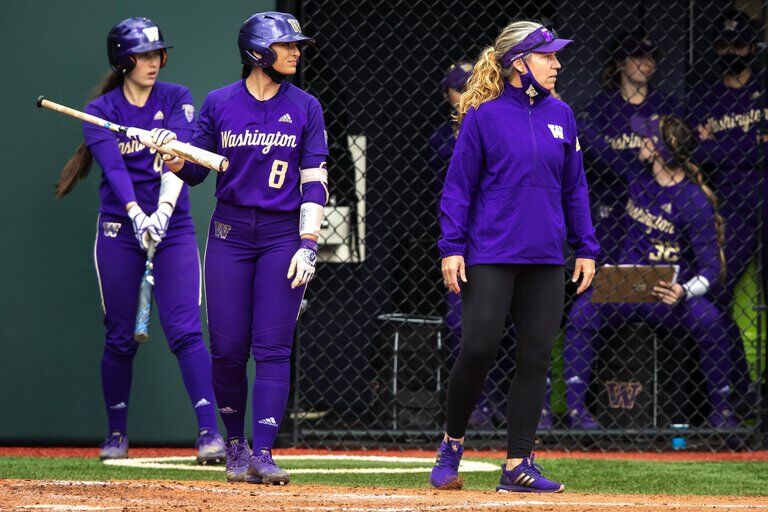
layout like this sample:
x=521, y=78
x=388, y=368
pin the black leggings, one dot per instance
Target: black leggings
x=536, y=295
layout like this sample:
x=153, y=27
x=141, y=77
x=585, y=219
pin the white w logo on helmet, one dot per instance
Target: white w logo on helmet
x=152, y=33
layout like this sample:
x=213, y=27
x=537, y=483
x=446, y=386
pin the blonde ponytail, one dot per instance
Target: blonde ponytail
x=488, y=76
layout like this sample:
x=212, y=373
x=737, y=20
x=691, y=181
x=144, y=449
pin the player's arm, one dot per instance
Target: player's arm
x=314, y=193
x=181, y=124
x=575, y=203
x=103, y=146
x=203, y=137
x=702, y=233
x=459, y=189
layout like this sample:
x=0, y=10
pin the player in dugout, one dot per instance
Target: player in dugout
x=671, y=218
x=133, y=183
x=262, y=240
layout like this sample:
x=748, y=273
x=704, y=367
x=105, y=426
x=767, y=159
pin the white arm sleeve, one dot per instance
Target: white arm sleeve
x=170, y=188
x=310, y=219
x=696, y=287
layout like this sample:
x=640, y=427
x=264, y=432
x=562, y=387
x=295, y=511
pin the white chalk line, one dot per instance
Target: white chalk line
x=467, y=466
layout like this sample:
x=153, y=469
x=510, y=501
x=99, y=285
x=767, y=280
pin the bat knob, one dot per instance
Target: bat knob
x=40, y=101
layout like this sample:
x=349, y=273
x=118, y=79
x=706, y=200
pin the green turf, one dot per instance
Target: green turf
x=598, y=476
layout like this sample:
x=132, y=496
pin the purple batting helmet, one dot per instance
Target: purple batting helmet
x=133, y=36
x=261, y=30
x=457, y=76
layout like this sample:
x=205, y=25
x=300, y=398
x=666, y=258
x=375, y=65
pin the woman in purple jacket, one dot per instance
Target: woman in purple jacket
x=515, y=189
x=133, y=183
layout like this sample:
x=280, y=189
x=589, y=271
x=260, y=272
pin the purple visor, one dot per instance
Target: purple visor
x=541, y=40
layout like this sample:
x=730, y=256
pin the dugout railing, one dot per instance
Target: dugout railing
x=376, y=342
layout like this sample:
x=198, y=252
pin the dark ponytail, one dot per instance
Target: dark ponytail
x=77, y=168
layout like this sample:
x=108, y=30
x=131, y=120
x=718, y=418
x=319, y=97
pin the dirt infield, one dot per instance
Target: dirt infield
x=19, y=495
x=758, y=456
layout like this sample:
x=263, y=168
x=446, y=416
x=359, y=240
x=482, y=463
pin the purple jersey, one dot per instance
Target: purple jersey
x=131, y=170
x=733, y=117
x=607, y=137
x=671, y=225
x=515, y=187
x=266, y=142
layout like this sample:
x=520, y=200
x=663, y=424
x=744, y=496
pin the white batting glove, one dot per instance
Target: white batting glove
x=303, y=263
x=161, y=136
x=158, y=222
x=140, y=225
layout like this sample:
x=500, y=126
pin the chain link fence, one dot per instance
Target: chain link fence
x=377, y=340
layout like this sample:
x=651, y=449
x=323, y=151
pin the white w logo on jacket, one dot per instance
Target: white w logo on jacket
x=557, y=131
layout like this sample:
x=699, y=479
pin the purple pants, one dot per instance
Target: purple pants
x=697, y=316
x=120, y=265
x=252, y=310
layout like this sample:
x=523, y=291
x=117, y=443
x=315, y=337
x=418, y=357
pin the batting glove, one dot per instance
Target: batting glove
x=303, y=263
x=161, y=136
x=140, y=225
x=158, y=222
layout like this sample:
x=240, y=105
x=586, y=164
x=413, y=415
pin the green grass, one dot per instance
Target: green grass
x=581, y=476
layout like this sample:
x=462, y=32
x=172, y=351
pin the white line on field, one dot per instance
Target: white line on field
x=467, y=466
x=55, y=506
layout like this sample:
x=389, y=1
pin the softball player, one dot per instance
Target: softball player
x=607, y=138
x=515, y=186
x=262, y=242
x=141, y=205
x=727, y=116
x=671, y=219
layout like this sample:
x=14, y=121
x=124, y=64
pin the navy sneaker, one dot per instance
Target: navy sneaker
x=263, y=470
x=210, y=447
x=238, y=455
x=445, y=473
x=115, y=446
x=526, y=477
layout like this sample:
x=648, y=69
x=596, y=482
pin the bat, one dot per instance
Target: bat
x=144, y=304
x=176, y=148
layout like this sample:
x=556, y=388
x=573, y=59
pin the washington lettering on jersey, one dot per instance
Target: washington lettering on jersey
x=623, y=141
x=257, y=138
x=648, y=219
x=130, y=147
x=729, y=121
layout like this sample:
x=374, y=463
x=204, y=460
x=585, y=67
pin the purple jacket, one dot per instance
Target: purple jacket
x=267, y=143
x=515, y=187
x=131, y=170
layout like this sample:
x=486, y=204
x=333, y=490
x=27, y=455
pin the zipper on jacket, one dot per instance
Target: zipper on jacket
x=533, y=139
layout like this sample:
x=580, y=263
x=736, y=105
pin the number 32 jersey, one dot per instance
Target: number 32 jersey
x=671, y=225
x=267, y=144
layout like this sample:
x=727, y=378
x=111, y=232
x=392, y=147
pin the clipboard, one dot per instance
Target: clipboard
x=631, y=283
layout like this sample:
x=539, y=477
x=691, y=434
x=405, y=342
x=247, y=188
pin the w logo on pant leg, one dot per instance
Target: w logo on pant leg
x=221, y=230
x=111, y=228
x=622, y=395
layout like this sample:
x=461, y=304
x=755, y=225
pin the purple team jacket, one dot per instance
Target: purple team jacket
x=515, y=187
